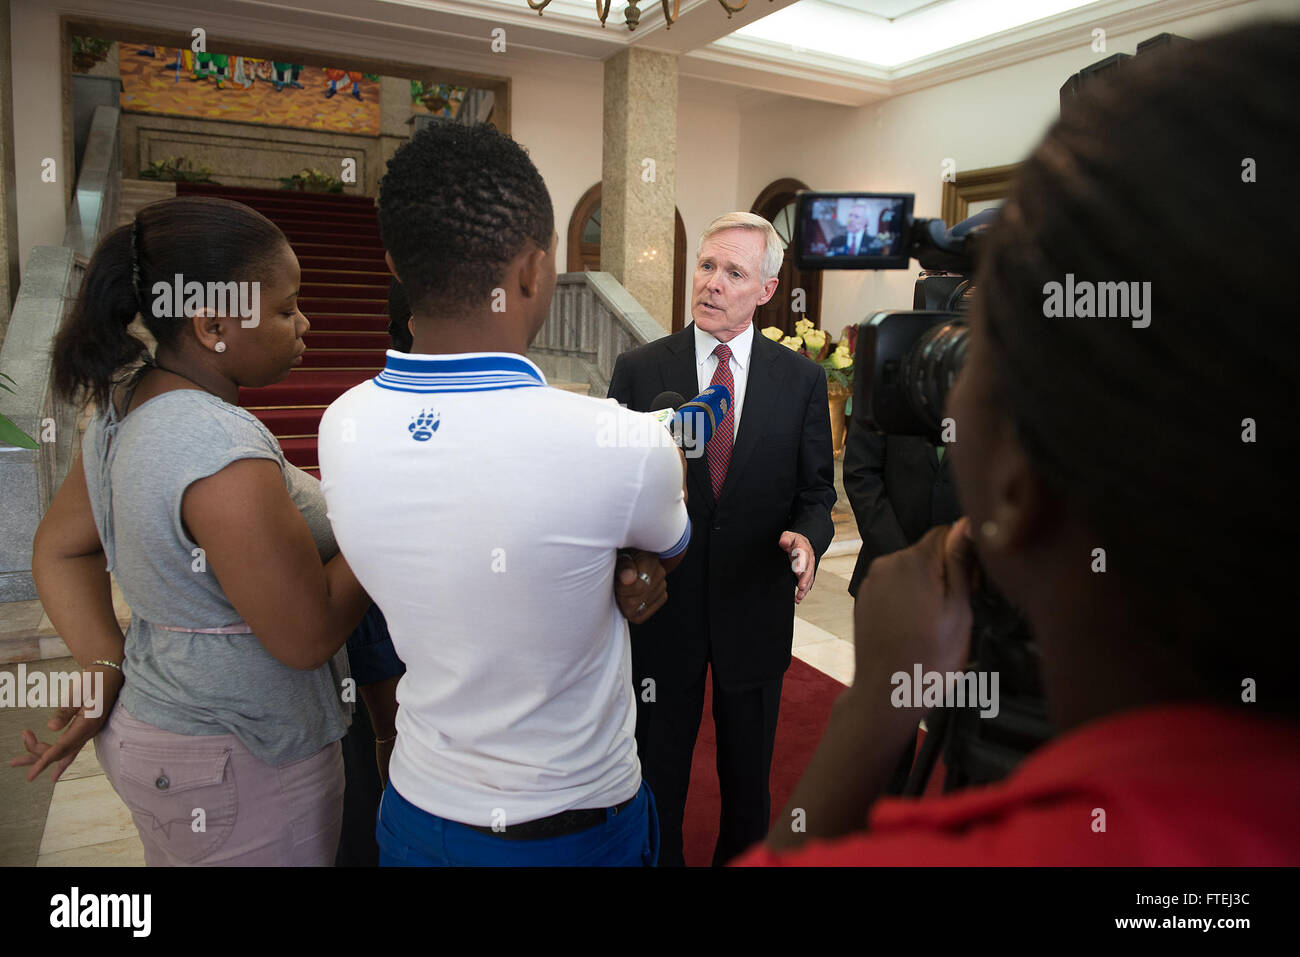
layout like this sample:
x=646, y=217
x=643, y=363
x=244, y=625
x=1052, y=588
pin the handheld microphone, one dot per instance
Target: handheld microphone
x=692, y=423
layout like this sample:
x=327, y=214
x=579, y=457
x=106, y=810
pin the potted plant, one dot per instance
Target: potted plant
x=312, y=181
x=177, y=169
x=88, y=51
x=835, y=358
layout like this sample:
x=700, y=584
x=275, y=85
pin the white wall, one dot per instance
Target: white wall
x=38, y=124
x=708, y=165
x=557, y=116
x=991, y=119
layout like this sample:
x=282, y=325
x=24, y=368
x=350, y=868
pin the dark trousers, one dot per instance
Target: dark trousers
x=745, y=722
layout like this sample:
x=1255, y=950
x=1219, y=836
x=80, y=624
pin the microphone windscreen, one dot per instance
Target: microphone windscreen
x=667, y=400
x=696, y=420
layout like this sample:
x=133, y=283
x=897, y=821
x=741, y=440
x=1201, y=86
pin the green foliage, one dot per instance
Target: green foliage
x=837, y=377
x=10, y=434
x=312, y=181
x=177, y=169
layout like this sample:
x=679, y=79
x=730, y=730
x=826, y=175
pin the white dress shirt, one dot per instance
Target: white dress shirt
x=706, y=363
x=854, y=242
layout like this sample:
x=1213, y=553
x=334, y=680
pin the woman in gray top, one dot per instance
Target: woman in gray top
x=226, y=698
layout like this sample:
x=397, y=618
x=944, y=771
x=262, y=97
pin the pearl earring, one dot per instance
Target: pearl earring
x=220, y=346
x=989, y=530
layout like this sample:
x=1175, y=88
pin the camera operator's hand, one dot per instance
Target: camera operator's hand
x=914, y=607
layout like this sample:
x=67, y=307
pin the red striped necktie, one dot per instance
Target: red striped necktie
x=718, y=451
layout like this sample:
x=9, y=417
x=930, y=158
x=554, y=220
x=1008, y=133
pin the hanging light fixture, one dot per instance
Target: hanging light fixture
x=633, y=16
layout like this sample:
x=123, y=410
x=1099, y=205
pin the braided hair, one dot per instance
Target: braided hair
x=457, y=204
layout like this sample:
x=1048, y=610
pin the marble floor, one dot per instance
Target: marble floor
x=80, y=821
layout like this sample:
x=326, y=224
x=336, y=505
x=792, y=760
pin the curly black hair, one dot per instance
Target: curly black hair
x=457, y=204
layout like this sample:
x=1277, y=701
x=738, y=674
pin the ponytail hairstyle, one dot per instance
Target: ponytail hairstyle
x=200, y=238
x=1174, y=444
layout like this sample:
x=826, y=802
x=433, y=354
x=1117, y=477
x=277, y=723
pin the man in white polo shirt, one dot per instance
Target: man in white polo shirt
x=482, y=511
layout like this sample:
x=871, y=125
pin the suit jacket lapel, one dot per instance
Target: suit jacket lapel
x=678, y=373
x=762, y=393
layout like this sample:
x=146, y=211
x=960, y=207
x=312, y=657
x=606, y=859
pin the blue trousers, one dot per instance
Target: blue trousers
x=411, y=837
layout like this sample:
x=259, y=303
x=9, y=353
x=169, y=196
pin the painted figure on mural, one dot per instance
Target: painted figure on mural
x=334, y=76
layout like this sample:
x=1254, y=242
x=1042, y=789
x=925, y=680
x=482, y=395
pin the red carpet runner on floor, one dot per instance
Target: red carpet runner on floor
x=344, y=295
x=806, y=698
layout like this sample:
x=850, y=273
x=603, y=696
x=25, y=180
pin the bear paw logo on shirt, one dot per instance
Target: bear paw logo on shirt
x=424, y=425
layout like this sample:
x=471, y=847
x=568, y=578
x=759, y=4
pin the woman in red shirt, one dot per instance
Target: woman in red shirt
x=1125, y=487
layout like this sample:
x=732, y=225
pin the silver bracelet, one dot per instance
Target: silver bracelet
x=107, y=663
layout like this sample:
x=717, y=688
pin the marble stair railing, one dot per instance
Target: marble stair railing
x=593, y=320
x=50, y=284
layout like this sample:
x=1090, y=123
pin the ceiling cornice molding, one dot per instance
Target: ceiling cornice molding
x=806, y=83
x=1071, y=30
x=841, y=86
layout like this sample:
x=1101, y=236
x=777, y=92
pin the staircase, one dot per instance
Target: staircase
x=344, y=294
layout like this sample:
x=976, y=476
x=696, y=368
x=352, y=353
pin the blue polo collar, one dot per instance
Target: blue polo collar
x=462, y=372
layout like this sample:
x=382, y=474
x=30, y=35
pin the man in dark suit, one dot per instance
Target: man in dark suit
x=899, y=487
x=755, y=506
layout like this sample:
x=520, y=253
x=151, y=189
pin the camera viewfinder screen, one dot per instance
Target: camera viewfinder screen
x=853, y=230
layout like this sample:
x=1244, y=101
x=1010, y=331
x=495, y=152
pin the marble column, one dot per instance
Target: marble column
x=394, y=126
x=639, y=177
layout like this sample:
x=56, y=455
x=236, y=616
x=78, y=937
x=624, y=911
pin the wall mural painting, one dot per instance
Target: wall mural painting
x=220, y=86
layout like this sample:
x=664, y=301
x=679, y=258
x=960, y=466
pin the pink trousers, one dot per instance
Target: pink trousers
x=206, y=800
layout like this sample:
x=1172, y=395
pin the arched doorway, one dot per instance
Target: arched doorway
x=776, y=205
x=584, y=248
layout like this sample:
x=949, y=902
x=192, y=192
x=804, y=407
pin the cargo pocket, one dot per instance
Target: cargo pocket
x=184, y=801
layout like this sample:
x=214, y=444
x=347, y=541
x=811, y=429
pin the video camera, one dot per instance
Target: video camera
x=908, y=361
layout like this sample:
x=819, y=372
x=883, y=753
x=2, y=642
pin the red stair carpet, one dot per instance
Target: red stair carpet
x=806, y=698
x=344, y=295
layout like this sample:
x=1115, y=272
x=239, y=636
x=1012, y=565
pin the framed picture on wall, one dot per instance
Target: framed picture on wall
x=976, y=190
